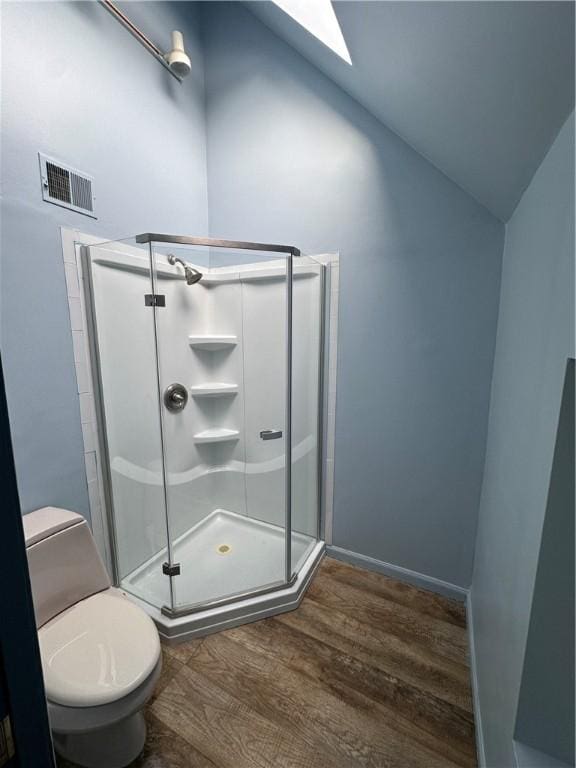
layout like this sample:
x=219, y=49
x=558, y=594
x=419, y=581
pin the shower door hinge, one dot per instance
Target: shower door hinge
x=155, y=300
x=171, y=569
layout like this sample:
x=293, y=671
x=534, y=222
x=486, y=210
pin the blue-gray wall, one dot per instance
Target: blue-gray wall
x=535, y=338
x=91, y=95
x=292, y=158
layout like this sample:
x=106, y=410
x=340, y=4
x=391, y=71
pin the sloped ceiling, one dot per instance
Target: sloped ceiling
x=479, y=88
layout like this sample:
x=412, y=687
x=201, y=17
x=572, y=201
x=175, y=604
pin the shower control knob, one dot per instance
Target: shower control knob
x=175, y=397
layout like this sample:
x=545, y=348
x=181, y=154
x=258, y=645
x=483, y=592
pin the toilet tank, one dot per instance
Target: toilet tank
x=64, y=564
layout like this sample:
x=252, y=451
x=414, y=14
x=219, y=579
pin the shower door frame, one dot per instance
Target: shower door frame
x=149, y=238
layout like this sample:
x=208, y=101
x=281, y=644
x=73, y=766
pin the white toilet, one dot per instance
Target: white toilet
x=100, y=653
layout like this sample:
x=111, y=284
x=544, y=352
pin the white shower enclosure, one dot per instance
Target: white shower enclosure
x=210, y=423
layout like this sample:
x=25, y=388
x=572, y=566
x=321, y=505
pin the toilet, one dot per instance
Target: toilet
x=100, y=653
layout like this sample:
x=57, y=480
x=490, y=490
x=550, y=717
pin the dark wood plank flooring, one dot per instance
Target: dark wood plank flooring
x=367, y=672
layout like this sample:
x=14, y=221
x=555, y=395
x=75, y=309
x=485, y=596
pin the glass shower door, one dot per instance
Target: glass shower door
x=222, y=372
x=118, y=280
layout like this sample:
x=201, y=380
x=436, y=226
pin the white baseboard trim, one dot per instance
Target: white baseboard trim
x=430, y=583
x=481, y=754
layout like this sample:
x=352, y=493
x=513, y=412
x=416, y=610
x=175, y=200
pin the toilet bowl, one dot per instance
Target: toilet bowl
x=100, y=653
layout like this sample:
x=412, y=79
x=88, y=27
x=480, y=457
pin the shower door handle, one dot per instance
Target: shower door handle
x=271, y=434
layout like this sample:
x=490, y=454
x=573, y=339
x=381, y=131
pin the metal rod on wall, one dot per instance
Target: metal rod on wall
x=139, y=35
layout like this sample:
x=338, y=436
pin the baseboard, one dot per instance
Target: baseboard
x=481, y=754
x=420, y=580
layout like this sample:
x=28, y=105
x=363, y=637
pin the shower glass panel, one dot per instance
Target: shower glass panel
x=208, y=398
x=222, y=343
x=124, y=354
x=307, y=375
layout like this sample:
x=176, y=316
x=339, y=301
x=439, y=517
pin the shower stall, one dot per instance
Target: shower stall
x=207, y=360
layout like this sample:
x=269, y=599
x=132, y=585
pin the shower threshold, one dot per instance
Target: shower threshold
x=226, y=554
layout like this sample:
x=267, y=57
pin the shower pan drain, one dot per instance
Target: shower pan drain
x=223, y=549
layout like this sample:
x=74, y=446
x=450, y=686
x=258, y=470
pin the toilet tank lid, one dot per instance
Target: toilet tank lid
x=47, y=521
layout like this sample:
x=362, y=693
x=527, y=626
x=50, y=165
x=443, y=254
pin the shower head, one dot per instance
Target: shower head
x=192, y=275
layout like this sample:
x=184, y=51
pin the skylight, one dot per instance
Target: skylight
x=319, y=18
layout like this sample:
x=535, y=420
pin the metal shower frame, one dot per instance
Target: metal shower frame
x=149, y=238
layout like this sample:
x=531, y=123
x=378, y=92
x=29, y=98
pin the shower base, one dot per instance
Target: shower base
x=226, y=554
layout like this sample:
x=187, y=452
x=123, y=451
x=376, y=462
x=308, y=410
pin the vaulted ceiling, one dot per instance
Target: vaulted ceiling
x=479, y=88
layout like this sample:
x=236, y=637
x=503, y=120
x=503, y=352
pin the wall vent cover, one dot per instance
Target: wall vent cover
x=66, y=186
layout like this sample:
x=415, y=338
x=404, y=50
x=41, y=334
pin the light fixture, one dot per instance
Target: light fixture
x=176, y=61
x=319, y=18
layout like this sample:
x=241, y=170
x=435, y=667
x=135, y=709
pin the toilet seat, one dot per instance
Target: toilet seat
x=98, y=651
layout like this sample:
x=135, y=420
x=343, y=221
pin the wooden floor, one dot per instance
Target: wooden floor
x=367, y=672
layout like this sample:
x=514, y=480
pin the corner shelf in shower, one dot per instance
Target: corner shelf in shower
x=213, y=389
x=216, y=435
x=212, y=342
